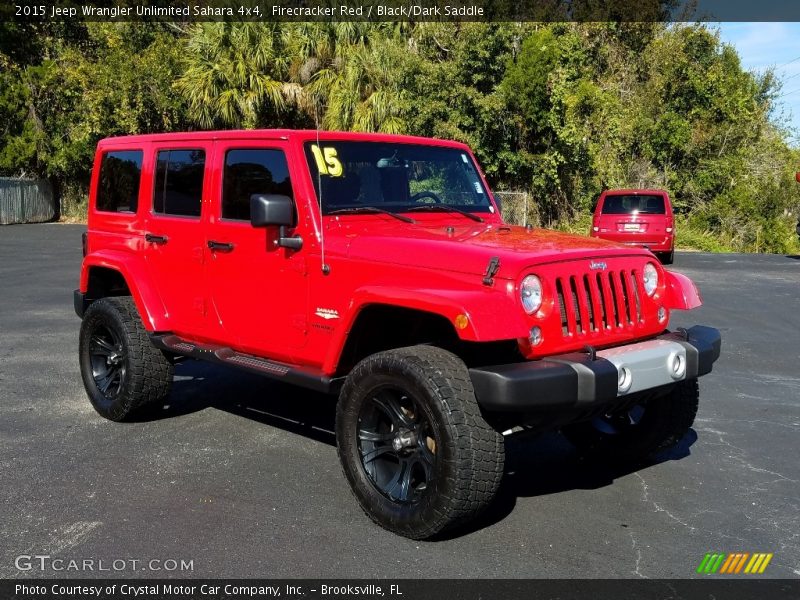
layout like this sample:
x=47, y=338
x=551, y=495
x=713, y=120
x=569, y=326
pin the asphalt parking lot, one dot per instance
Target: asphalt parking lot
x=239, y=475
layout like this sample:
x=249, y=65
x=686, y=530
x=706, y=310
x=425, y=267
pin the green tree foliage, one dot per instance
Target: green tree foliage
x=454, y=73
x=338, y=75
x=561, y=110
x=105, y=79
x=233, y=73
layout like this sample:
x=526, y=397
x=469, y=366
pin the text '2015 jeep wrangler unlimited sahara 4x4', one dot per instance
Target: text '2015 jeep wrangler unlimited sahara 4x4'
x=378, y=268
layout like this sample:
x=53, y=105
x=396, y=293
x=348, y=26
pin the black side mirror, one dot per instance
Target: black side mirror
x=275, y=209
x=271, y=209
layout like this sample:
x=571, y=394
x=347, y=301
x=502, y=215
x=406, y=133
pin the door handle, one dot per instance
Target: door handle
x=220, y=246
x=155, y=239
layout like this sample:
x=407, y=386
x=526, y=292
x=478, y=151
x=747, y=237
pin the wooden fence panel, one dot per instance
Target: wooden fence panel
x=25, y=201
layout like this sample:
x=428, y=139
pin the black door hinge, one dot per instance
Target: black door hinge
x=491, y=270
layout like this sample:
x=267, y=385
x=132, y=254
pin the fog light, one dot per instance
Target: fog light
x=662, y=314
x=624, y=380
x=536, y=336
x=677, y=366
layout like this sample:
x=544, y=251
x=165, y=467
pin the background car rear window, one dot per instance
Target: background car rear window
x=252, y=171
x=118, y=186
x=625, y=205
x=179, y=182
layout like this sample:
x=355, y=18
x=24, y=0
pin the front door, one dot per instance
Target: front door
x=259, y=291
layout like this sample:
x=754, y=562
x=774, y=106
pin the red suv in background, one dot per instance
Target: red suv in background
x=639, y=218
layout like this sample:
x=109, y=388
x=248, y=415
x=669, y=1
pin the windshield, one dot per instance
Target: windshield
x=395, y=177
x=633, y=204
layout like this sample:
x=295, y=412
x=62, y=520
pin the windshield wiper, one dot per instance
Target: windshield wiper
x=447, y=208
x=371, y=209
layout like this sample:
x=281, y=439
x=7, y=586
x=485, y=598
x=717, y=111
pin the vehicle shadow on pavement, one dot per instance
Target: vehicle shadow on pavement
x=544, y=464
x=200, y=386
x=536, y=465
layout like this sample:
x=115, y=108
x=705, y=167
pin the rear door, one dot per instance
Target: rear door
x=259, y=291
x=174, y=237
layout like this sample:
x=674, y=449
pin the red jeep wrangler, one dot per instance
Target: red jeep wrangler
x=377, y=268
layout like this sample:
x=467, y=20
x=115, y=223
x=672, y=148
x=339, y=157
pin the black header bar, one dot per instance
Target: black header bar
x=738, y=588
x=401, y=10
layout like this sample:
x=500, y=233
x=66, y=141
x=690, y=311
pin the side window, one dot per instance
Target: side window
x=252, y=171
x=118, y=186
x=179, y=182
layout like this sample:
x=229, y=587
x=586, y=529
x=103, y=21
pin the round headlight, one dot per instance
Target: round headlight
x=650, y=278
x=531, y=294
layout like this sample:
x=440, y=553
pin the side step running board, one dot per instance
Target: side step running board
x=296, y=375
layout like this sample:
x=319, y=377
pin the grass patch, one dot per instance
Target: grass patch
x=74, y=206
x=691, y=237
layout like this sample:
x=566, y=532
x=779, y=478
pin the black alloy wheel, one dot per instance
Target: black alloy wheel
x=109, y=361
x=397, y=444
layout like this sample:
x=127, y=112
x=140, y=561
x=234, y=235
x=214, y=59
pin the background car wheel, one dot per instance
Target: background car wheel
x=667, y=258
x=122, y=371
x=413, y=445
x=641, y=430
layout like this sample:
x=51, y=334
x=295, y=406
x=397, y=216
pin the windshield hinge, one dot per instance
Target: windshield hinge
x=491, y=270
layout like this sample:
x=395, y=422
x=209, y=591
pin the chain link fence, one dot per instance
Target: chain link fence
x=517, y=208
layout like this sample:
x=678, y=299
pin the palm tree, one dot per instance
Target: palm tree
x=362, y=92
x=338, y=75
x=234, y=73
x=357, y=77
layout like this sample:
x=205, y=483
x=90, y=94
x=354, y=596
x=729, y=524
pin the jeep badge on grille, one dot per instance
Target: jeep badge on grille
x=598, y=265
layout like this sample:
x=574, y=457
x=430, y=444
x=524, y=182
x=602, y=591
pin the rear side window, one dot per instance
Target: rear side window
x=252, y=171
x=179, y=182
x=634, y=204
x=118, y=185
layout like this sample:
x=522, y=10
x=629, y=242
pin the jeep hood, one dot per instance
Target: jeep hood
x=468, y=248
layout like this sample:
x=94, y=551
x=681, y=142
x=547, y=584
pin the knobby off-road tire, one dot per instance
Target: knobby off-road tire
x=413, y=444
x=642, y=431
x=122, y=371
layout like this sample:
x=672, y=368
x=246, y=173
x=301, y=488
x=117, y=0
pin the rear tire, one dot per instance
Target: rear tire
x=640, y=432
x=122, y=371
x=413, y=445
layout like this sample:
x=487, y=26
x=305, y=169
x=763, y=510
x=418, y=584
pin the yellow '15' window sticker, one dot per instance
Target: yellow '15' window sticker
x=327, y=160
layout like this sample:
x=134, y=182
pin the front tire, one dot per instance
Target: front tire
x=122, y=371
x=641, y=431
x=413, y=444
